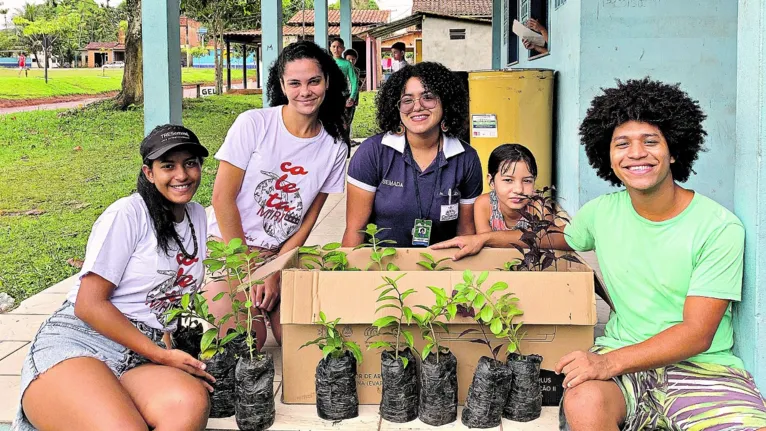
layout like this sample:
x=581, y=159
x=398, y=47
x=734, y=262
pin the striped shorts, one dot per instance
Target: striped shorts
x=690, y=396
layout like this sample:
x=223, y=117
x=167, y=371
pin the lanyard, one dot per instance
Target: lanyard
x=415, y=179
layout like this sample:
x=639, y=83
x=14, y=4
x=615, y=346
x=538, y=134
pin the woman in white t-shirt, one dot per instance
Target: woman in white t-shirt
x=277, y=167
x=101, y=360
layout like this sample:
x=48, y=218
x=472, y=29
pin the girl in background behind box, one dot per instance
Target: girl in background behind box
x=512, y=171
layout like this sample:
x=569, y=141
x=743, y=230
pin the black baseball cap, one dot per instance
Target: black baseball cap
x=167, y=137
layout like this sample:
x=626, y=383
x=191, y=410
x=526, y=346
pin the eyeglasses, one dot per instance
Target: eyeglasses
x=427, y=101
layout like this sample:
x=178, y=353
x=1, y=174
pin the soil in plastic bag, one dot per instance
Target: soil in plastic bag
x=188, y=337
x=399, y=401
x=526, y=398
x=438, y=390
x=255, y=409
x=487, y=394
x=336, y=388
x=221, y=367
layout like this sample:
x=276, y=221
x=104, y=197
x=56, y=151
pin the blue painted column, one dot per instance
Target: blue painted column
x=345, y=23
x=161, y=41
x=320, y=23
x=750, y=185
x=498, y=18
x=271, y=17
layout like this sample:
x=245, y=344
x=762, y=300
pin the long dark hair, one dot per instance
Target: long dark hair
x=331, y=112
x=160, y=210
x=505, y=155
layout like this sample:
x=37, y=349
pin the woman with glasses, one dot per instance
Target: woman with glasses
x=416, y=179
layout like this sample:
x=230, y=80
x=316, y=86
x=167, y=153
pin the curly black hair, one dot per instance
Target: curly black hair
x=435, y=78
x=665, y=106
x=331, y=113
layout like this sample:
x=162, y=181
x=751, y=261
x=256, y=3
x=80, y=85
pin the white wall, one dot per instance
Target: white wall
x=472, y=53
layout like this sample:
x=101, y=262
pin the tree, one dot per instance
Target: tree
x=218, y=16
x=132, y=92
x=44, y=32
x=357, y=5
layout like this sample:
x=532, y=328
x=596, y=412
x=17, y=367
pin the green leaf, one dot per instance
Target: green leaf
x=479, y=301
x=388, y=252
x=468, y=277
x=385, y=292
x=407, y=314
x=384, y=321
x=482, y=278
x=248, y=304
x=427, y=256
x=451, y=311
x=228, y=338
x=392, y=267
x=511, y=347
x=207, y=354
x=331, y=246
x=405, y=361
x=486, y=313
x=407, y=293
x=387, y=306
x=426, y=265
x=355, y=350
x=497, y=287
x=219, y=296
x=327, y=350
x=172, y=314
x=408, y=337
x=380, y=344
x=376, y=256
x=388, y=298
x=439, y=292
x=426, y=351
x=213, y=265
x=185, y=301
x=496, y=326
x=322, y=316
x=207, y=338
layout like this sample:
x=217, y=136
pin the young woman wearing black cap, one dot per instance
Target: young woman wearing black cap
x=100, y=361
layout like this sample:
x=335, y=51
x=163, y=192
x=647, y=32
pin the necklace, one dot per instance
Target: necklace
x=194, y=239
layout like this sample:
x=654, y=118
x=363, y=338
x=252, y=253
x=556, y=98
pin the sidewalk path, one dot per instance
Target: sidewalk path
x=188, y=93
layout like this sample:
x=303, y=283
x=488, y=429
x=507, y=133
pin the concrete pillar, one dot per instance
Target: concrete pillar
x=244, y=66
x=321, y=27
x=271, y=17
x=228, y=65
x=345, y=23
x=370, y=62
x=750, y=185
x=497, y=33
x=162, y=63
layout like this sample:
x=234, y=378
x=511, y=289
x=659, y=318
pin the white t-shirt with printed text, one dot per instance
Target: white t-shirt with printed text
x=122, y=248
x=283, y=175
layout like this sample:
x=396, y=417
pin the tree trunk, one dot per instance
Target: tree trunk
x=219, y=66
x=132, y=92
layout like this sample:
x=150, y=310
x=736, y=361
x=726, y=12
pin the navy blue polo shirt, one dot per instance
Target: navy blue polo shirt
x=382, y=166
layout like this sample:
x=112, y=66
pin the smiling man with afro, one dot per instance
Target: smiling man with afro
x=672, y=260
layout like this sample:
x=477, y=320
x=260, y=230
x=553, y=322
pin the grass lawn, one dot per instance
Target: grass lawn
x=42, y=171
x=66, y=82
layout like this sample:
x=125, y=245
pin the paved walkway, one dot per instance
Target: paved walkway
x=188, y=93
x=18, y=328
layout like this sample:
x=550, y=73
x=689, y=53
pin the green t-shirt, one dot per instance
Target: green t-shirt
x=651, y=267
x=350, y=73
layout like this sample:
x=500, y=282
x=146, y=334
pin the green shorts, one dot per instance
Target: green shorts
x=689, y=396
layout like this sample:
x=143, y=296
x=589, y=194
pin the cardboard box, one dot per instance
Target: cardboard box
x=559, y=307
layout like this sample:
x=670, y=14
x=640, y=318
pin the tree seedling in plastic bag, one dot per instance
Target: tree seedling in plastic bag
x=446, y=307
x=392, y=325
x=497, y=314
x=194, y=306
x=332, y=343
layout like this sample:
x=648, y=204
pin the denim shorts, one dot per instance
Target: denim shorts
x=64, y=336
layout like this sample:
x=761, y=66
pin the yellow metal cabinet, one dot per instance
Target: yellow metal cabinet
x=513, y=106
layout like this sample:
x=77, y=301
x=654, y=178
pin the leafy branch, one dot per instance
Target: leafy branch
x=498, y=315
x=392, y=325
x=194, y=306
x=431, y=264
x=379, y=250
x=446, y=307
x=332, y=343
x=328, y=258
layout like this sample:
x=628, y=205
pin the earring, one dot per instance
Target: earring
x=400, y=129
x=444, y=127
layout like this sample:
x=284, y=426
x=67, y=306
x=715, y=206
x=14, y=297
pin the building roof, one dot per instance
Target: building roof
x=357, y=17
x=105, y=45
x=456, y=8
x=192, y=21
x=297, y=30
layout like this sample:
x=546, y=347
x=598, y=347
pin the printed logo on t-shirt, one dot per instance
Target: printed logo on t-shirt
x=168, y=294
x=280, y=201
